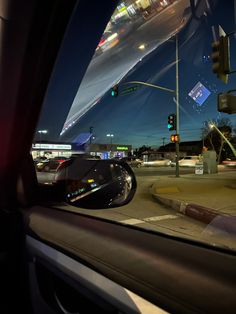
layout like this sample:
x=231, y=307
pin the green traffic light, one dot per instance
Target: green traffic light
x=169, y=126
x=112, y=93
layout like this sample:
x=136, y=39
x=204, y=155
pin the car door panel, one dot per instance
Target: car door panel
x=164, y=271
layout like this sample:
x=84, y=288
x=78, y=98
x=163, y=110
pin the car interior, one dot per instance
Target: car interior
x=54, y=259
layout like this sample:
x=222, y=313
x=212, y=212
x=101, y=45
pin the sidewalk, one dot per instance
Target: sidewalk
x=202, y=197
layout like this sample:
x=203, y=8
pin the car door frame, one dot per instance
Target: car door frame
x=31, y=40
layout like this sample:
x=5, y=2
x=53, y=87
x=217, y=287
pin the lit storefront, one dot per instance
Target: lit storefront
x=107, y=151
x=51, y=150
x=104, y=151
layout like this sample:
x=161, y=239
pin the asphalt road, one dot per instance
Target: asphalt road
x=143, y=211
x=160, y=171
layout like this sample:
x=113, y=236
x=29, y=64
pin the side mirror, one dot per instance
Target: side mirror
x=95, y=184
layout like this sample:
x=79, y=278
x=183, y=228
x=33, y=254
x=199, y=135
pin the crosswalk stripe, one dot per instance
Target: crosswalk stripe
x=134, y=221
x=159, y=218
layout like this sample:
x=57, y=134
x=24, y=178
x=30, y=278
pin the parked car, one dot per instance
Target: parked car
x=135, y=162
x=40, y=159
x=157, y=162
x=50, y=164
x=187, y=161
x=230, y=162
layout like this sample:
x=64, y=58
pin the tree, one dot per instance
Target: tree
x=212, y=139
x=138, y=152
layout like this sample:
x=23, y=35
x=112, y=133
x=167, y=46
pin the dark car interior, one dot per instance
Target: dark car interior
x=54, y=259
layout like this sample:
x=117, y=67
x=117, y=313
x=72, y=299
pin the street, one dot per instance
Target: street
x=145, y=212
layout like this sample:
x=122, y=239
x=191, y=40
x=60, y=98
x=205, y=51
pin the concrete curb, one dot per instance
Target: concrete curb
x=195, y=211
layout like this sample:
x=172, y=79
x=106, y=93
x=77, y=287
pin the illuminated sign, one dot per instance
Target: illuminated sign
x=122, y=148
x=90, y=180
x=121, y=7
x=199, y=93
x=52, y=146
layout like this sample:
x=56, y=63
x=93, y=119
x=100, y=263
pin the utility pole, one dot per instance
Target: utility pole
x=163, y=141
x=91, y=132
x=177, y=106
x=176, y=99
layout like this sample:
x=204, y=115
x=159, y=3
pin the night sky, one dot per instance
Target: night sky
x=140, y=118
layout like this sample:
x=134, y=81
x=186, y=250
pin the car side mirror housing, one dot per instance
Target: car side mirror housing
x=95, y=184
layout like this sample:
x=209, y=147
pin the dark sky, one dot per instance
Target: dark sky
x=140, y=118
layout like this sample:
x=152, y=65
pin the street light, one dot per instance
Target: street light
x=213, y=126
x=40, y=134
x=141, y=47
x=111, y=136
x=43, y=131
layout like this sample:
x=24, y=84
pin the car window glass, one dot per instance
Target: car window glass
x=149, y=87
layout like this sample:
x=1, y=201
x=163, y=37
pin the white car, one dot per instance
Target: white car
x=187, y=161
x=229, y=162
x=135, y=162
x=157, y=162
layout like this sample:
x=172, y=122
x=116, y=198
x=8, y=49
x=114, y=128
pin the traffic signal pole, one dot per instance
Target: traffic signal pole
x=177, y=106
x=176, y=99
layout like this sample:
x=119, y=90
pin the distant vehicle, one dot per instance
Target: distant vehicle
x=108, y=40
x=85, y=156
x=230, y=162
x=134, y=162
x=187, y=161
x=39, y=159
x=157, y=162
x=164, y=3
x=50, y=164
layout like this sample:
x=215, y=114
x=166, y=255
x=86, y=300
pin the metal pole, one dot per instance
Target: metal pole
x=91, y=132
x=151, y=85
x=163, y=141
x=226, y=140
x=177, y=107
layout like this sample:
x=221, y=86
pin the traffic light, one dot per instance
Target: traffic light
x=221, y=58
x=174, y=138
x=171, y=122
x=227, y=103
x=115, y=91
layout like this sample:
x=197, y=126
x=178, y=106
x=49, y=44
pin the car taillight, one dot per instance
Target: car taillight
x=101, y=42
x=61, y=160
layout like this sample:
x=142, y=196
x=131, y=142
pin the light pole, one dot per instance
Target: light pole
x=40, y=134
x=163, y=141
x=177, y=103
x=110, y=136
x=213, y=126
x=40, y=138
x=91, y=132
